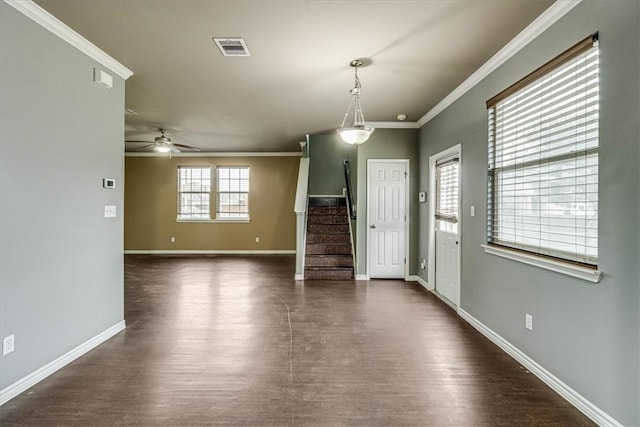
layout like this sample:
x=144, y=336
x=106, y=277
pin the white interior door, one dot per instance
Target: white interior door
x=387, y=185
x=447, y=278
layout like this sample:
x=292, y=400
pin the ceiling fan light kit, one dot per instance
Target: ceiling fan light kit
x=163, y=144
x=358, y=132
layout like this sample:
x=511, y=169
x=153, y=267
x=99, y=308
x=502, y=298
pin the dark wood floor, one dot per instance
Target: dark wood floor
x=234, y=341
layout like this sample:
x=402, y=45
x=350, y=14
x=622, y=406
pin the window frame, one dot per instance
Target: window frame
x=555, y=260
x=247, y=193
x=181, y=216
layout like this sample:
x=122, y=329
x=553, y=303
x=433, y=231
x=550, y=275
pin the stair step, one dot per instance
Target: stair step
x=327, y=228
x=328, y=273
x=328, y=249
x=327, y=201
x=328, y=261
x=328, y=238
x=327, y=219
x=327, y=210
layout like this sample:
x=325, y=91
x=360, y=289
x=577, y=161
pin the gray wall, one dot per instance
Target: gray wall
x=61, y=264
x=585, y=334
x=326, y=153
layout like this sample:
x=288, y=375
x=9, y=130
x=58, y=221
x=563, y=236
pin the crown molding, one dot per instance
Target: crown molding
x=394, y=125
x=533, y=30
x=214, y=154
x=54, y=25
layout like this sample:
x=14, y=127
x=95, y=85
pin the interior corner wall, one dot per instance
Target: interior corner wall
x=326, y=177
x=61, y=266
x=585, y=334
x=151, y=206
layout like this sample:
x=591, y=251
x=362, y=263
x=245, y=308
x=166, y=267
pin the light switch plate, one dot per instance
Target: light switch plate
x=422, y=197
x=109, y=211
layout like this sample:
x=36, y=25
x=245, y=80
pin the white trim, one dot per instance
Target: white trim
x=596, y=414
x=219, y=154
x=298, y=277
x=215, y=221
x=421, y=282
x=49, y=22
x=300, y=204
x=394, y=125
x=549, y=17
x=209, y=252
x=431, y=243
x=407, y=211
x=580, y=272
x=39, y=374
x=361, y=277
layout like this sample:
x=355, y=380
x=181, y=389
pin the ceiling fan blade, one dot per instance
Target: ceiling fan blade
x=174, y=150
x=141, y=141
x=187, y=147
x=145, y=146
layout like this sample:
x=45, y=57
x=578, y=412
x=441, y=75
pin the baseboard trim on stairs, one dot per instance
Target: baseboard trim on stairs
x=596, y=414
x=43, y=372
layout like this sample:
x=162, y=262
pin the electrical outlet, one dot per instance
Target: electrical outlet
x=109, y=211
x=8, y=344
x=423, y=264
x=528, y=321
x=257, y=240
x=173, y=239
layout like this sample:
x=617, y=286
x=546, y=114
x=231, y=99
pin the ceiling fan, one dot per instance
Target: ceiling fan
x=163, y=144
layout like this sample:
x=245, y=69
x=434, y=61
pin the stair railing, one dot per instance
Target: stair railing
x=347, y=179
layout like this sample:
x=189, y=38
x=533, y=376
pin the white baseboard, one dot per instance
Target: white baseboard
x=421, y=281
x=596, y=414
x=209, y=252
x=38, y=375
x=298, y=277
x=361, y=277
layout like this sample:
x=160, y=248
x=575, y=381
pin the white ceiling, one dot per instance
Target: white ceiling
x=297, y=79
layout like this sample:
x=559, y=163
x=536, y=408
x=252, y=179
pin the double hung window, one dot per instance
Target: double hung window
x=194, y=190
x=232, y=193
x=543, y=159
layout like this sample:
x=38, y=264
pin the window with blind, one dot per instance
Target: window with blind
x=543, y=159
x=446, y=211
x=233, y=193
x=194, y=190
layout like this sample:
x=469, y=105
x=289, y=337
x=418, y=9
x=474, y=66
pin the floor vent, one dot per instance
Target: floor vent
x=231, y=46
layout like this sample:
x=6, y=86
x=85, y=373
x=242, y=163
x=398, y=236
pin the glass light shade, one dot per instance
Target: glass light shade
x=356, y=134
x=162, y=148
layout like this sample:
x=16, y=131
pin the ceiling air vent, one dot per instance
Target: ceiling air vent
x=231, y=46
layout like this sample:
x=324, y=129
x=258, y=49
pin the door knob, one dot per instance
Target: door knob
x=372, y=226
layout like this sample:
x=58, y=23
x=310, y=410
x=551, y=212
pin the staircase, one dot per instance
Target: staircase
x=328, y=253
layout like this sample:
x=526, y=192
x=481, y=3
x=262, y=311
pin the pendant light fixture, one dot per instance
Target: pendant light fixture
x=357, y=132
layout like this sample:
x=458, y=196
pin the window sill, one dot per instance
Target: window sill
x=577, y=271
x=218, y=221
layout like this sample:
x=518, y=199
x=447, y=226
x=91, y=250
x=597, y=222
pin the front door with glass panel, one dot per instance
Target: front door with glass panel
x=447, y=229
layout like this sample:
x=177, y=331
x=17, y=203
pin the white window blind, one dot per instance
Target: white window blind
x=447, y=191
x=543, y=160
x=233, y=192
x=194, y=190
